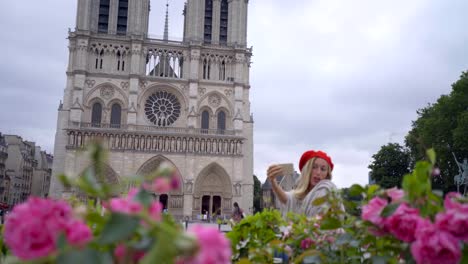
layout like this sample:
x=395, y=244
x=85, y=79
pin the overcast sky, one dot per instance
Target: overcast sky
x=343, y=76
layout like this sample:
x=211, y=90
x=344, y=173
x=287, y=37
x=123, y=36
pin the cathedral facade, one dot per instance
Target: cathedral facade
x=156, y=100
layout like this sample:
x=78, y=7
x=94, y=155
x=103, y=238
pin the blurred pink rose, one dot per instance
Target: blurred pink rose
x=403, y=222
x=451, y=203
x=395, y=194
x=433, y=246
x=306, y=243
x=175, y=182
x=454, y=221
x=155, y=210
x=214, y=247
x=32, y=228
x=124, y=205
x=371, y=211
x=160, y=185
x=78, y=233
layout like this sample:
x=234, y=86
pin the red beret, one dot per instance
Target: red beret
x=314, y=154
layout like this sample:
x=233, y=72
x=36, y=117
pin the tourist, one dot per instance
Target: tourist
x=237, y=214
x=314, y=182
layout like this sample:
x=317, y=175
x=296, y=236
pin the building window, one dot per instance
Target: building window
x=221, y=122
x=96, y=114
x=103, y=19
x=223, y=26
x=208, y=20
x=205, y=121
x=116, y=113
x=122, y=17
x=162, y=108
x=206, y=69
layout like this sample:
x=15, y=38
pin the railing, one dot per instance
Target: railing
x=141, y=128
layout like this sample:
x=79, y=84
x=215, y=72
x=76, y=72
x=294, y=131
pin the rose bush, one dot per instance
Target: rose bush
x=410, y=225
x=107, y=229
x=414, y=224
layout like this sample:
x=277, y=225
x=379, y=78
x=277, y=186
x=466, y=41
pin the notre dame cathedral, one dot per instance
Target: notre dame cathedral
x=157, y=100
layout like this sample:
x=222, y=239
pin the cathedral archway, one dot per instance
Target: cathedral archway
x=174, y=200
x=110, y=178
x=212, y=192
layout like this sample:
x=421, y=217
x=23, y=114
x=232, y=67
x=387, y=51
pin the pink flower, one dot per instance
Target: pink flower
x=175, y=182
x=159, y=185
x=434, y=246
x=306, y=243
x=155, y=210
x=125, y=205
x=78, y=233
x=454, y=221
x=32, y=228
x=451, y=203
x=395, y=194
x=214, y=246
x=403, y=222
x=371, y=211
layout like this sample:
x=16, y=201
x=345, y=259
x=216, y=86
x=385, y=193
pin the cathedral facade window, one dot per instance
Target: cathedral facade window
x=208, y=20
x=221, y=124
x=223, y=25
x=122, y=17
x=162, y=108
x=96, y=114
x=205, y=121
x=116, y=115
x=103, y=19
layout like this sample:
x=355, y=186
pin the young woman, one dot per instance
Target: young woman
x=237, y=213
x=314, y=182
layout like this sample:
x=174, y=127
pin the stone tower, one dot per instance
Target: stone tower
x=157, y=100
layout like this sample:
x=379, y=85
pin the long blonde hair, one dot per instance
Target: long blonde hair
x=302, y=188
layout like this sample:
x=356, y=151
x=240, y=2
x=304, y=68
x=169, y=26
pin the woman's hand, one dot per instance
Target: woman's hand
x=274, y=171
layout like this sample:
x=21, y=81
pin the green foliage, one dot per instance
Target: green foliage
x=257, y=203
x=443, y=126
x=389, y=165
x=255, y=237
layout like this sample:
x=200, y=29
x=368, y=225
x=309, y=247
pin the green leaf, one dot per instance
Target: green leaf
x=87, y=255
x=320, y=200
x=330, y=223
x=431, y=155
x=343, y=239
x=144, y=197
x=379, y=260
x=61, y=242
x=356, y=190
x=119, y=227
x=389, y=209
x=371, y=189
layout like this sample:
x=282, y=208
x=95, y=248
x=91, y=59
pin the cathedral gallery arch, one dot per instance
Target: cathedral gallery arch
x=174, y=200
x=212, y=192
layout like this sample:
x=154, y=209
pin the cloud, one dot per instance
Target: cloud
x=343, y=76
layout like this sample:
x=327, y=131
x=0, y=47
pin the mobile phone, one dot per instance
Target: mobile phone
x=288, y=168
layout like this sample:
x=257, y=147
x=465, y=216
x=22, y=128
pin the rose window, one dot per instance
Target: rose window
x=162, y=108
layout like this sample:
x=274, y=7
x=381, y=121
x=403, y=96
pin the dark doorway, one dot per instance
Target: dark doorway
x=216, y=205
x=205, y=208
x=163, y=199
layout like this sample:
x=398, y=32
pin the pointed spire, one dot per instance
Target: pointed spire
x=166, y=23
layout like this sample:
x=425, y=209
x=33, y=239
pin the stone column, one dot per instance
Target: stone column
x=215, y=23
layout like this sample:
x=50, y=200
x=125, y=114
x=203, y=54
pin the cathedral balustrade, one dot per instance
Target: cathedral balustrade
x=119, y=140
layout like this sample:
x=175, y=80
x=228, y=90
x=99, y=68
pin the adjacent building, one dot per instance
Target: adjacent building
x=25, y=170
x=4, y=178
x=186, y=103
x=42, y=173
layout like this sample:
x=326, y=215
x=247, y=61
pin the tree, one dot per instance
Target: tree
x=257, y=194
x=389, y=166
x=444, y=127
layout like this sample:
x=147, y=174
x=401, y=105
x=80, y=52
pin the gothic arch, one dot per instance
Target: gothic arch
x=164, y=87
x=153, y=164
x=200, y=103
x=213, y=179
x=89, y=96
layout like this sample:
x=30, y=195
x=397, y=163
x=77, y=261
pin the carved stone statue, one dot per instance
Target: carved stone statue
x=462, y=177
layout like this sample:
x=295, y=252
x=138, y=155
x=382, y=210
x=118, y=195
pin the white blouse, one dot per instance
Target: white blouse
x=305, y=205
